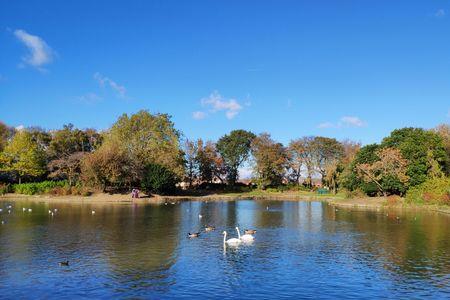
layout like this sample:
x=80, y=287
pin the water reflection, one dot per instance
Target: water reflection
x=306, y=249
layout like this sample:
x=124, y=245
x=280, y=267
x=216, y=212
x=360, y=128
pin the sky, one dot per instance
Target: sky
x=343, y=69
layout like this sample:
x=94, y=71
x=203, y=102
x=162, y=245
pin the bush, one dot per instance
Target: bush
x=158, y=179
x=432, y=191
x=34, y=188
x=354, y=194
x=5, y=188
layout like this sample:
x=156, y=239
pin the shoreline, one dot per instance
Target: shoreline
x=366, y=203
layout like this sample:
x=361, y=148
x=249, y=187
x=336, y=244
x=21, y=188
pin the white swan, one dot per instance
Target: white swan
x=246, y=238
x=230, y=242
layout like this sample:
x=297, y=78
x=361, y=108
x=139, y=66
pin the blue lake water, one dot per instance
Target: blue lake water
x=301, y=250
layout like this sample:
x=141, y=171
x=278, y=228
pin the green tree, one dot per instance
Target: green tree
x=23, y=157
x=415, y=145
x=148, y=139
x=210, y=163
x=234, y=148
x=388, y=172
x=325, y=152
x=6, y=133
x=158, y=179
x=271, y=160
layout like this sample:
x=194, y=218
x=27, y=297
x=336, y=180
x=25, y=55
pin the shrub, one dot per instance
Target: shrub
x=158, y=179
x=5, y=188
x=37, y=187
x=432, y=191
x=354, y=194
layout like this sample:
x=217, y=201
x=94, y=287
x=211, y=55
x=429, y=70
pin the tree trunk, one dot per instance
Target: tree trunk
x=20, y=180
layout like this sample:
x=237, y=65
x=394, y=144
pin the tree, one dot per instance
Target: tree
x=109, y=168
x=388, y=172
x=325, y=151
x=234, y=148
x=23, y=157
x=146, y=139
x=443, y=131
x=210, y=163
x=69, y=140
x=6, y=134
x=414, y=144
x=158, y=179
x=190, y=155
x=301, y=159
x=271, y=160
x=67, y=167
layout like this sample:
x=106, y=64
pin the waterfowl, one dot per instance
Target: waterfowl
x=49, y=211
x=30, y=210
x=230, y=242
x=249, y=231
x=55, y=210
x=3, y=222
x=24, y=209
x=200, y=216
x=193, y=235
x=9, y=211
x=93, y=212
x=64, y=263
x=246, y=237
x=210, y=228
x=1, y=210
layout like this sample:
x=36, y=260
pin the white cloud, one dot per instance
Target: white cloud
x=344, y=122
x=349, y=121
x=199, y=115
x=39, y=54
x=120, y=90
x=326, y=125
x=440, y=13
x=218, y=103
x=245, y=173
x=89, y=98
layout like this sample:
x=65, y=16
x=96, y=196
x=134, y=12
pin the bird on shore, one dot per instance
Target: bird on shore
x=1, y=209
x=30, y=210
x=9, y=211
x=93, y=212
x=55, y=210
x=193, y=235
x=3, y=222
x=64, y=263
x=24, y=209
x=249, y=231
x=200, y=216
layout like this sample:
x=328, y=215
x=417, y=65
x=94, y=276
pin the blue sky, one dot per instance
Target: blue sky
x=344, y=69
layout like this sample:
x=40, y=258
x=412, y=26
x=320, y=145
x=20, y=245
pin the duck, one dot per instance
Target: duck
x=64, y=263
x=249, y=231
x=210, y=228
x=246, y=238
x=230, y=242
x=193, y=235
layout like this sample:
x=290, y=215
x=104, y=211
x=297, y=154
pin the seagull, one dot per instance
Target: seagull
x=1, y=210
x=30, y=210
x=24, y=209
x=53, y=214
x=93, y=212
x=200, y=216
x=55, y=209
x=49, y=211
x=3, y=222
x=9, y=211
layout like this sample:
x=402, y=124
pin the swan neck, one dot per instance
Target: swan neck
x=239, y=234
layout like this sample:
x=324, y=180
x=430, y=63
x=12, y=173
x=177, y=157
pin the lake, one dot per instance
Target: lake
x=301, y=250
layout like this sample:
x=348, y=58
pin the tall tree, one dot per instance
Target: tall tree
x=148, y=139
x=414, y=144
x=190, y=154
x=301, y=158
x=325, y=151
x=6, y=134
x=388, y=172
x=234, y=148
x=271, y=160
x=443, y=130
x=210, y=163
x=23, y=157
